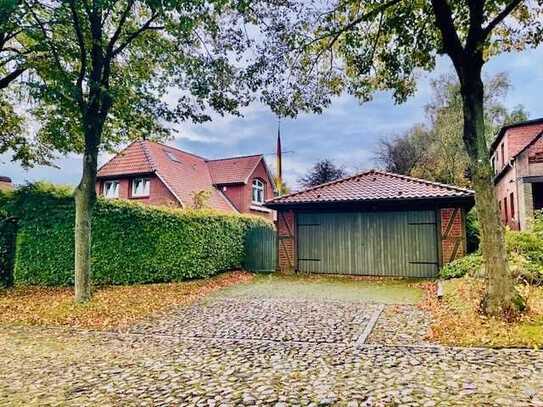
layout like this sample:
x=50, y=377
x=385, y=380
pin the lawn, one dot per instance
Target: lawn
x=328, y=287
x=112, y=307
x=456, y=320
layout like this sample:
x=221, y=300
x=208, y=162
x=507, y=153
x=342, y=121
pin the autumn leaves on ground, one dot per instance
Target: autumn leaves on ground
x=112, y=307
x=456, y=319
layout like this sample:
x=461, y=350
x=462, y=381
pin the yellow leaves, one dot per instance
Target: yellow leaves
x=456, y=320
x=112, y=307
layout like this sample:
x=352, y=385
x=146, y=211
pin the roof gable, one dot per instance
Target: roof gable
x=183, y=173
x=373, y=185
x=234, y=170
x=504, y=129
x=134, y=159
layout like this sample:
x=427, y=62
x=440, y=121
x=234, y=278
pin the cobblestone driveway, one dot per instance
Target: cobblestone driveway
x=255, y=351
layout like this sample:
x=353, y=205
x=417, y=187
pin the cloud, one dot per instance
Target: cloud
x=346, y=133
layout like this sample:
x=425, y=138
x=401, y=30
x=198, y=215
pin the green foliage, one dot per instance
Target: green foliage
x=524, y=253
x=436, y=151
x=131, y=243
x=470, y=264
x=472, y=231
x=8, y=233
x=323, y=171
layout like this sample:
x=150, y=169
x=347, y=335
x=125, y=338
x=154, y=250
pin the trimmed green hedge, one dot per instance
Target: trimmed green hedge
x=131, y=243
x=8, y=233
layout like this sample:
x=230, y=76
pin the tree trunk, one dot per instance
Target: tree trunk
x=501, y=298
x=85, y=199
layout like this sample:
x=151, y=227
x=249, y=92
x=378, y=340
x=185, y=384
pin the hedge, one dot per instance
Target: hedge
x=8, y=232
x=131, y=243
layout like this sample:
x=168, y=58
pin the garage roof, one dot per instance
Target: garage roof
x=373, y=185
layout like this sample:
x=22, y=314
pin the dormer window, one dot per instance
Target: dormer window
x=140, y=187
x=258, y=192
x=111, y=189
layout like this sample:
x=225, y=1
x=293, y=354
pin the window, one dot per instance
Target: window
x=505, y=214
x=111, y=189
x=140, y=187
x=503, y=154
x=512, y=205
x=258, y=192
x=172, y=156
x=494, y=169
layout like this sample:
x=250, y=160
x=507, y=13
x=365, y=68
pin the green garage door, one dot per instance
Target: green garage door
x=368, y=243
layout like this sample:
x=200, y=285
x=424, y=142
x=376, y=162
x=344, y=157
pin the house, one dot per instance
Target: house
x=158, y=174
x=517, y=159
x=372, y=223
x=5, y=183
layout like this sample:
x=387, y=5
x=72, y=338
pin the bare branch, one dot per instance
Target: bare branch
x=500, y=17
x=119, y=29
x=449, y=36
x=132, y=36
x=6, y=80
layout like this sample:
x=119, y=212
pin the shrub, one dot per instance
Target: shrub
x=470, y=264
x=524, y=253
x=131, y=243
x=8, y=232
x=472, y=231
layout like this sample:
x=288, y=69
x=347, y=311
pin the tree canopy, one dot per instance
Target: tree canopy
x=323, y=171
x=435, y=150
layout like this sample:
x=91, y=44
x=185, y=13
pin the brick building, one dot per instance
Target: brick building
x=517, y=159
x=158, y=174
x=373, y=223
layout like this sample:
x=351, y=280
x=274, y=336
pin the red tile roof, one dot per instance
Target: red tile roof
x=373, y=185
x=233, y=170
x=183, y=173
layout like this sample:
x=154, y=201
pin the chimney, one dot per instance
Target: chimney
x=5, y=183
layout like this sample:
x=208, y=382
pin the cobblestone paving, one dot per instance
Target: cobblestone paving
x=249, y=351
x=401, y=325
x=269, y=319
x=39, y=367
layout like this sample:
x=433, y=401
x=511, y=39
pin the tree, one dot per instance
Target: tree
x=15, y=51
x=323, y=171
x=316, y=50
x=403, y=153
x=105, y=69
x=436, y=151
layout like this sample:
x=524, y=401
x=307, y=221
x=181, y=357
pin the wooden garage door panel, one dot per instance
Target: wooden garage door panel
x=368, y=243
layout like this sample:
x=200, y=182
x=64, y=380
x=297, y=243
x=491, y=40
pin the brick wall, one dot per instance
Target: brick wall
x=453, y=237
x=286, y=233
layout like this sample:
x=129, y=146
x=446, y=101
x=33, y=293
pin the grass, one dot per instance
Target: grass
x=456, y=320
x=112, y=307
x=338, y=288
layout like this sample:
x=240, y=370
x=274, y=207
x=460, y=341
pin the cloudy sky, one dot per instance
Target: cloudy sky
x=346, y=133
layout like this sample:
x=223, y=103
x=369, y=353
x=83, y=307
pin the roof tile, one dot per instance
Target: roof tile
x=373, y=185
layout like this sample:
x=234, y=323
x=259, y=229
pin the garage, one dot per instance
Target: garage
x=375, y=223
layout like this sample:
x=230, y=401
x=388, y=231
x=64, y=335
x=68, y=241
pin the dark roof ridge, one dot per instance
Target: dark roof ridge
x=177, y=149
x=235, y=157
x=148, y=155
x=373, y=171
